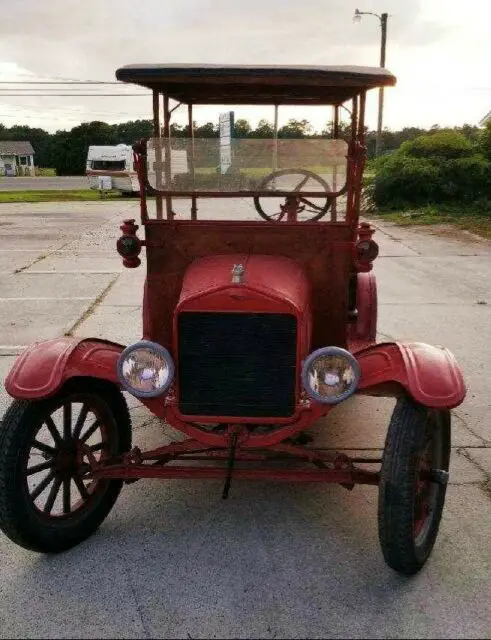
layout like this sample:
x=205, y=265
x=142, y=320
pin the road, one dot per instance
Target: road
x=41, y=183
x=274, y=561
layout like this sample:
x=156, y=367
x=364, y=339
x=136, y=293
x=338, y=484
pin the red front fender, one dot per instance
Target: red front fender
x=44, y=367
x=429, y=374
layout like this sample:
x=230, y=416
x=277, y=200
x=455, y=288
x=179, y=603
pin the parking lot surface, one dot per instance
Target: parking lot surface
x=57, y=183
x=173, y=560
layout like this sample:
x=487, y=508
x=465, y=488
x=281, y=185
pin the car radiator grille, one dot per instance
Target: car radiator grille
x=237, y=364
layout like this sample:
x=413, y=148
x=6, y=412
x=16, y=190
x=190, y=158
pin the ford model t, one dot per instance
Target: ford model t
x=259, y=318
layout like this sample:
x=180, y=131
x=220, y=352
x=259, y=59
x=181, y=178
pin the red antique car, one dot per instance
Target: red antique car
x=259, y=318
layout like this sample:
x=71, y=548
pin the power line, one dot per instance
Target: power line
x=34, y=75
x=72, y=113
x=30, y=78
x=64, y=82
x=73, y=81
x=73, y=116
x=76, y=95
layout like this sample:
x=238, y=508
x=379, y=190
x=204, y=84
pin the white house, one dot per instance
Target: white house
x=16, y=158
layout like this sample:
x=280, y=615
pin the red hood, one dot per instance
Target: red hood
x=270, y=276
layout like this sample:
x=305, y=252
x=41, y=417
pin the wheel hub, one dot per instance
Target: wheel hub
x=66, y=460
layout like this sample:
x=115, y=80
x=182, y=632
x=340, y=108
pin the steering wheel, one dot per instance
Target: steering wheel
x=295, y=204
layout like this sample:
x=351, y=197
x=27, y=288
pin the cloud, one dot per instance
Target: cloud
x=90, y=39
x=94, y=37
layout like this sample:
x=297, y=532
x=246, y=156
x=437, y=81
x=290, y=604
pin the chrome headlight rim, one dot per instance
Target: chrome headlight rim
x=162, y=352
x=330, y=351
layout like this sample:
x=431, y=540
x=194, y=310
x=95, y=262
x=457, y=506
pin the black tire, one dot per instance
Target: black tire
x=28, y=524
x=410, y=509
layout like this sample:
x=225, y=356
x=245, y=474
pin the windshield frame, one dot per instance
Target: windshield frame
x=352, y=188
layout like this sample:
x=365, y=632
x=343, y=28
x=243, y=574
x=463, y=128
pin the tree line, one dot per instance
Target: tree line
x=66, y=151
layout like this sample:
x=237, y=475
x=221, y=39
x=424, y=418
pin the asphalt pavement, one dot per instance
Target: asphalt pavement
x=173, y=560
x=41, y=183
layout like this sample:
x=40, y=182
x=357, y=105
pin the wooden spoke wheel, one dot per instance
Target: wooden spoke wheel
x=413, y=484
x=48, y=501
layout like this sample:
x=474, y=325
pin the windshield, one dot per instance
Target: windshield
x=314, y=170
x=107, y=165
x=247, y=165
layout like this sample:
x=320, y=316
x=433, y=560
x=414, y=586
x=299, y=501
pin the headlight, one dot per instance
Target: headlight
x=330, y=375
x=145, y=369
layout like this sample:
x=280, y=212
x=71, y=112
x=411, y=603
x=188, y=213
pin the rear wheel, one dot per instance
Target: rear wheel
x=47, y=501
x=413, y=481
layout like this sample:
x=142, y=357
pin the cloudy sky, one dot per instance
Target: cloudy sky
x=440, y=51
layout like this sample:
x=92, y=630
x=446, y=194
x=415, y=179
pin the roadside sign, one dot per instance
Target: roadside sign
x=226, y=127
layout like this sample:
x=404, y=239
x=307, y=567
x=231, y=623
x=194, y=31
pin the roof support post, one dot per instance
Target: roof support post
x=168, y=159
x=194, y=208
x=275, y=135
x=352, y=162
x=360, y=153
x=335, y=135
x=158, y=152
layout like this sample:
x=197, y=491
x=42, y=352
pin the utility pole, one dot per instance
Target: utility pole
x=378, y=143
x=383, y=44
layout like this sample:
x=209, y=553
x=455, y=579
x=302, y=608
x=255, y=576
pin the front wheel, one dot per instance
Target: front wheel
x=413, y=481
x=48, y=503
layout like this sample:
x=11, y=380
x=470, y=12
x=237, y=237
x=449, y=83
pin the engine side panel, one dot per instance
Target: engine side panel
x=363, y=332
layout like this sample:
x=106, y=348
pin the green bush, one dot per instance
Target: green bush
x=43, y=171
x=465, y=179
x=484, y=140
x=440, y=167
x=401, y=181
x=441, y=144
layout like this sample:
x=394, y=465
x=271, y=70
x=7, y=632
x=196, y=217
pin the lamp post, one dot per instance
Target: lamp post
x=383, y=24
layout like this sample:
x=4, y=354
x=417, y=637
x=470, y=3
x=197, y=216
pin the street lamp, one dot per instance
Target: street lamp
x=383, y=24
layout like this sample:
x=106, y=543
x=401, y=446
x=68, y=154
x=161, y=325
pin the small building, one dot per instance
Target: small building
x=16, y=158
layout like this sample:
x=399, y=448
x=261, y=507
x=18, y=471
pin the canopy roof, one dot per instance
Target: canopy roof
x=256, y=84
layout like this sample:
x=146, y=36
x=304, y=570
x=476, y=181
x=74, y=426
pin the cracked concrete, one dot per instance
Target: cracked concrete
x=91, y=309
x=174, y=560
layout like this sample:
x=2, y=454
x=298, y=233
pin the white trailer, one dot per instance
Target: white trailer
x=111, y=167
